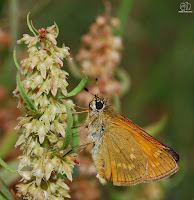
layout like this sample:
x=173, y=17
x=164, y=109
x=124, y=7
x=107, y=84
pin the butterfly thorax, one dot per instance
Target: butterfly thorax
x=100, y=114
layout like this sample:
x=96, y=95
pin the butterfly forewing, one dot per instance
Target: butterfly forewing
x=149, y=137
x=161, y=163
x=125, y=160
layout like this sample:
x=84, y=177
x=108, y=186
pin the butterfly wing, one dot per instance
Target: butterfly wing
x=125, y=160
x=161, y=159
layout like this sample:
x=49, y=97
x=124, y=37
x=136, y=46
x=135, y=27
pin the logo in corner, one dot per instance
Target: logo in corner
x=185, y=7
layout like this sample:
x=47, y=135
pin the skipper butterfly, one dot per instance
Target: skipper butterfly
x=123, y=152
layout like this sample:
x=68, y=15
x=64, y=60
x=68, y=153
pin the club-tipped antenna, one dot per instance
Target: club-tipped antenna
x=86, y=89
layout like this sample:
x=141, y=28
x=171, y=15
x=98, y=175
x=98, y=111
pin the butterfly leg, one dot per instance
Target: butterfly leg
x=76, y=106
x=93, y=139
x=78, y=112
x=83, y=145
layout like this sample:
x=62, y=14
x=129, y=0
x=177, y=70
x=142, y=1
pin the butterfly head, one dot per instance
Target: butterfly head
x=97, y=104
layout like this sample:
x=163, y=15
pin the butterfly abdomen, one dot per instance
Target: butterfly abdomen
x=96, y=133
x=98, y=161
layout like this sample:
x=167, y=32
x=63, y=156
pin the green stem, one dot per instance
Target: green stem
x=123, y=14
x=13, y=11
x=125, y=80
x=7, y=77
x=117, y=103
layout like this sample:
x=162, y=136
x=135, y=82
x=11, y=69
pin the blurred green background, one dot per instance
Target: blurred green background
x=158, y=55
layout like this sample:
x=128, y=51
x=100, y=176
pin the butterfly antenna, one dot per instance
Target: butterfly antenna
x=86, y=89
x=97, y=82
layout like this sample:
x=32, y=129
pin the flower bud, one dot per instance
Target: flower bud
x=48, y=168
x=25, y=175
x=24, y=161
x=23, y=188
x=41, y=133
x=52, y=39
x=42, y=54
x=60, y=128
x=26, y=39
x=20, y=140
x=42, y=68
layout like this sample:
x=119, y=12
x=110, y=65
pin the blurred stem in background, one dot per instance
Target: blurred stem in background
x=7, y=77
x=123, y=13
x=7, y=143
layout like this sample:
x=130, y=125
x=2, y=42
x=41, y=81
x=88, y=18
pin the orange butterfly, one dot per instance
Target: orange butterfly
x=123, y=152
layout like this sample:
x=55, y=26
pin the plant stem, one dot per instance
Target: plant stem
x=8, y=74
x=123, y=13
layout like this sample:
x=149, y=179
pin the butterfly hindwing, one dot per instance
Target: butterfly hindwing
x=125, y=161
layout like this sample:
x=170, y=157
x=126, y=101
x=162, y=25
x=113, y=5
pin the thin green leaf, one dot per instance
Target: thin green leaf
x=24, y=95
x=68, y=133
x=123, y=13
x=3, y=197
x=4, y=192
x=77, y=89
x=6, y=166
x=80, y=86
x=29, y=25
x=15, y=59
x=75, y=136
x=57, y=30
x=9, y=176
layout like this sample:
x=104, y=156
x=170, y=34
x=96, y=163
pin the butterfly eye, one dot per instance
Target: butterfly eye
x=99, y=105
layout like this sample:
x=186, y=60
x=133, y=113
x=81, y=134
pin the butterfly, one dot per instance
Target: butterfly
x=123, y=152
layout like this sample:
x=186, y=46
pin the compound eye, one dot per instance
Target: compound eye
x=99, y=105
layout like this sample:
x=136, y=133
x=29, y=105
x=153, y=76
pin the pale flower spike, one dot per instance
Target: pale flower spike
x=40, y=135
